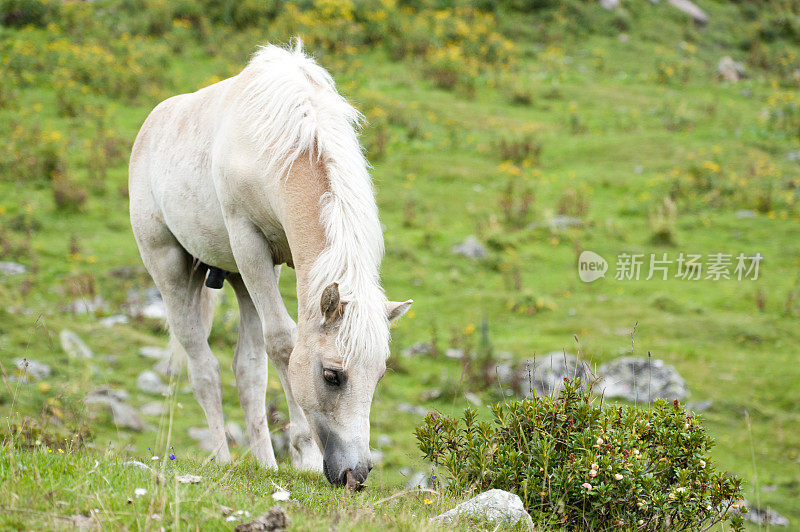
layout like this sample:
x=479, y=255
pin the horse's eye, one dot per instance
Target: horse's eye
x=332, y=377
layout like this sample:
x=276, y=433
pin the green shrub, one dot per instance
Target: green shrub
x=580, y=464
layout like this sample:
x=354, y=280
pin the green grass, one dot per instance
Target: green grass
x=441, y=158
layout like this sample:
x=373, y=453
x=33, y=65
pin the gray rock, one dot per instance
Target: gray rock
x=274, y=520
x=156, y=353
x=473, y=399
x=235, y=434
x=149, y=382
x=457, y=354
x=411, y=409
x=559, y=222
x=700, y=406
x=765, y=517
x=202, y=435
x=280, y=442
x=124, y=415
x=146, y=303
x=610, y=5
x=420, y=348
x=153, y=409
x=115, y=319
x=634, y=378
x=793, y=156
x=691, y=9
x=88, y=306
x=12, y=268
x=545, y=375
x=383, y=440
x=72, y=344
x=418, y=479
x=470, y=247
x=120, y=395
x=730, y=70
x=745, y=213
x=495, y=506
x=166, y=368
x=33, y=369
x=501, y=374
x=377, y=456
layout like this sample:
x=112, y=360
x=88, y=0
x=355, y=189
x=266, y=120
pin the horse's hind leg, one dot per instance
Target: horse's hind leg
x=186, y=301
x=250, y=367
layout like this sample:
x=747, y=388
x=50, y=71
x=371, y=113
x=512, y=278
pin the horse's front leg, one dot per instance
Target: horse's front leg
x=254, y=260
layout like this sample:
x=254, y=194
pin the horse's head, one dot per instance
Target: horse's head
x=334, y=395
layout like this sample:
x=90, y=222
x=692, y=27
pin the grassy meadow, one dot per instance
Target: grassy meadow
x=484, y=118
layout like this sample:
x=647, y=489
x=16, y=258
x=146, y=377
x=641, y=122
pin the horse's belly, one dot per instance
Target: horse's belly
x=194, y=216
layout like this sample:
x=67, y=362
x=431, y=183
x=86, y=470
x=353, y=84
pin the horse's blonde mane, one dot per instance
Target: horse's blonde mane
x=300, y=111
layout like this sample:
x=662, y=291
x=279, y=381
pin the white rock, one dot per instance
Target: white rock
x=417, y=480
x=12, y=268
x=470, y=247
x=376, y=456
x=31, y=368
x=153, y=409
x=150, y=382
x=281, y=495
x=691, y=9
x=156, y=353
x=495, y=506
x=384, y=440
x=73, y=345
x=189, y=479
x=124, y=415
x=609, y=4
x=116, y=319
x=235, y=434
x=544, y=375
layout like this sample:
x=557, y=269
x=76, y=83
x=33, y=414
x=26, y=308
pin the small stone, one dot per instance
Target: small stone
x=420, y=348
x=793, y=156
x=411, y=409
x=636, y=378
x=72, y=344
x=156, y=353
x=765, y=517
x=473, y=399
x=146, y=303
x=745, y=213
x=33, y=369
x=691, y=9
x=166, y=368
x=609, y=5
x=275, y=519
x=456, y=354
x=150, y=382
x=188, y=479
x=383, y=440
x=12, y=268
x=153, y=409
x=700, y=406
x=235, y=434
x=730, y=70
x=115, y=319
x=377, y=456
x=123, y=414
x=88, y=306
x=471, y=248
x=494, y=506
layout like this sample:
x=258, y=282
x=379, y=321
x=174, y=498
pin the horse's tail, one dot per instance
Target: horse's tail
x=208, y=301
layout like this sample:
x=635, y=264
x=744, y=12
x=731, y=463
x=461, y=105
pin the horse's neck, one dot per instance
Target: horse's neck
x=303, y=189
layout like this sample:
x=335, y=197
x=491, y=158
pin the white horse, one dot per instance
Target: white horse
x=255, y=171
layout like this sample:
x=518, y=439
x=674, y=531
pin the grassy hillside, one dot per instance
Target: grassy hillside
x=485, y=123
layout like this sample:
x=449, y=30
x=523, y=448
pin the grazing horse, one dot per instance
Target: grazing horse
x=259, y=170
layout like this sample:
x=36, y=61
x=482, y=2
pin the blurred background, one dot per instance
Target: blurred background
x=507, y=138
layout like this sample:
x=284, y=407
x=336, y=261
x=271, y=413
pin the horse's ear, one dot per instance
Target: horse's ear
x=330, y=305
x=395, y=310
